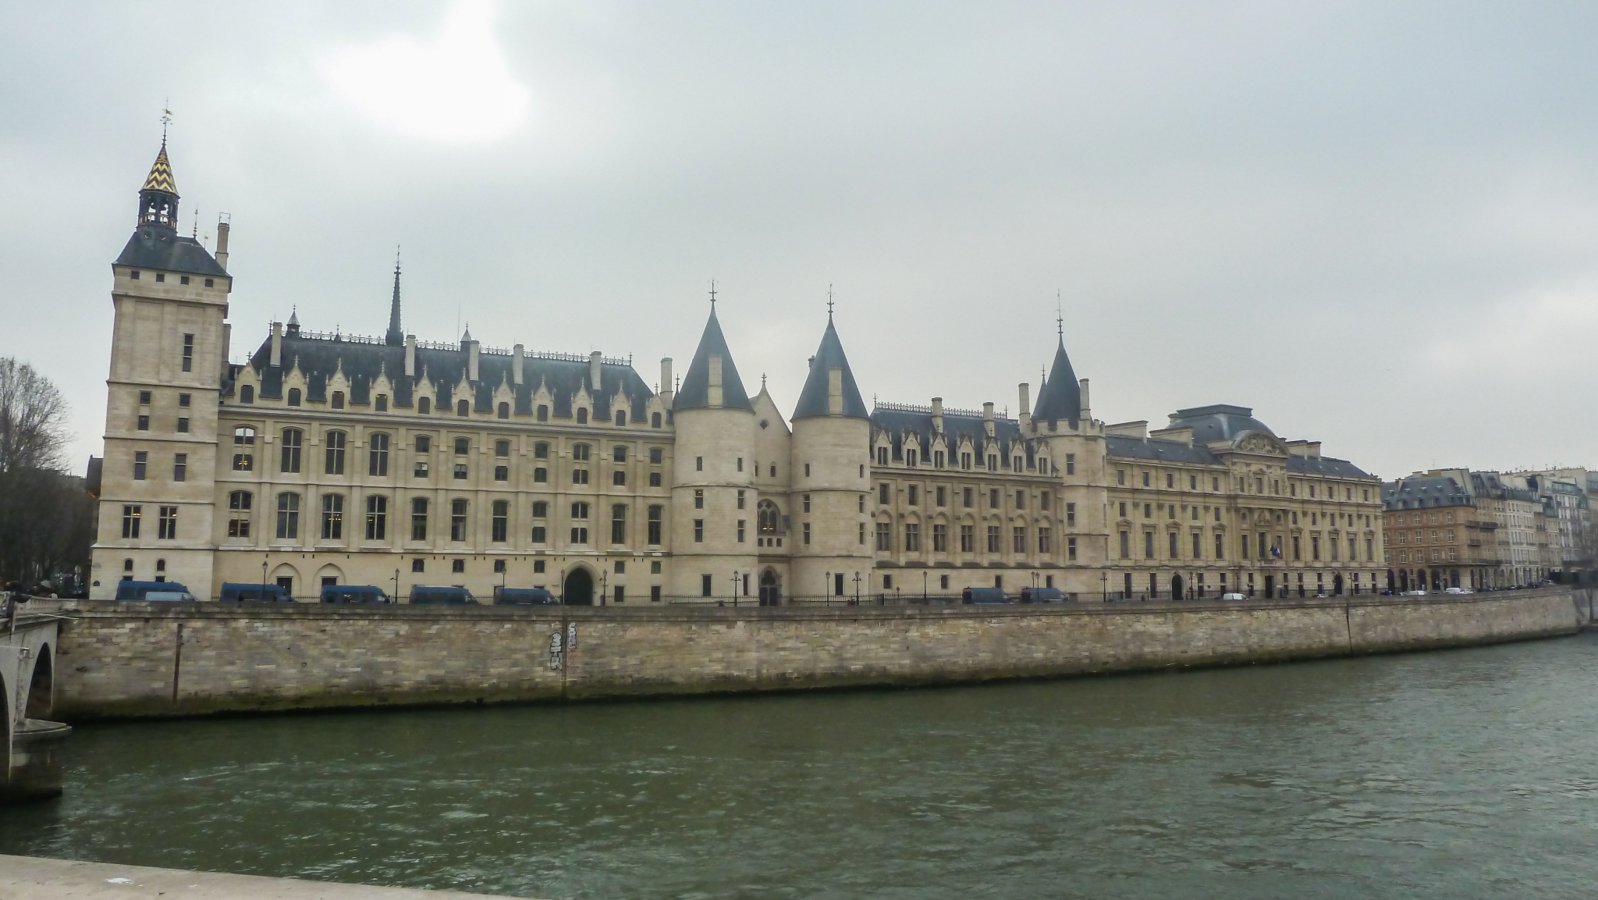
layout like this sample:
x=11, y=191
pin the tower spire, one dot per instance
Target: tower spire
x=396, y=335
x=158, y=199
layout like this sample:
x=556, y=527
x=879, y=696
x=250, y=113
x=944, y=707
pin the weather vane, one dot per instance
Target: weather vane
x=166, y=118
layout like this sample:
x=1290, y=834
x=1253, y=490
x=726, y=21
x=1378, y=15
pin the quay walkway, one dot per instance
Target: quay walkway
x=35, y=878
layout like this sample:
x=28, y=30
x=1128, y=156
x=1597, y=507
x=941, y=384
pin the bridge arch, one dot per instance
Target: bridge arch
x=41, y=684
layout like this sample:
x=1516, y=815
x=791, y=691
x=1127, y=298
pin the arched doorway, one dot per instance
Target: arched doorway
x=770, y=591
x=578, y=589
x=1176, y=587
x=1403, y=580
x=1337, y=585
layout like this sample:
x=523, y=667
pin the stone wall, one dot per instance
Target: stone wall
x=156, y=659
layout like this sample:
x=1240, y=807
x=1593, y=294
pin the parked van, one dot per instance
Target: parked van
x=141, y=590
x=253, y=592
x=983, y=595
x=1043, y=595
x=169, y=597
x=354, y=593
x=422, y=595
x=512, y=596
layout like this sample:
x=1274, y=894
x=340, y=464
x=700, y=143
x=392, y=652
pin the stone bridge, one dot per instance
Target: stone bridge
x=33, y=744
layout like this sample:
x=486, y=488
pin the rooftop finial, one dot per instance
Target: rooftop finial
x=395, y=336
x=712, y=294
x=166, y=119
x=829, y=302
x=1059, y=314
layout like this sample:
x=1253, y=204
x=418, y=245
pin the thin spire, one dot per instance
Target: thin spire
x=166, y=118
x=712, y=295
x=829, y=301
x=1059, y=314
x=396, y=335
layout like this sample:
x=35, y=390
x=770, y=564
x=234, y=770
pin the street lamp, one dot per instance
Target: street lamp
x=857, y=589
x=826, y=587
x=735, y=589
x=395, y=599
x=923, y=586
x=263, y=577
x=1104, y=585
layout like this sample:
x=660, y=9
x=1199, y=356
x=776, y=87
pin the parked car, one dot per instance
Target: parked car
x=253, y=592
x=141, y=590
x=1233, y=595
x=1412, y=593
x=354, y=593
x=512, y=596
x=1458, y=590
x=983, y=595
x=1043, y=595
x=453, y=595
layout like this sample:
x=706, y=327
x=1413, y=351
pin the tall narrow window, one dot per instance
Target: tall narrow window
x=377, y=455
x=130, y=520
x=500, y=523
x=334, y=453
x=188, y=353
x=376, y=518
x=238, y=504
x=167, y=526
x=332, y=517
x=180, y=467
x=141, y=464
x=288, y=516
x=289, y=452
x=457, y=519
x=618, y=523
x=418, y=518
x=655, y=513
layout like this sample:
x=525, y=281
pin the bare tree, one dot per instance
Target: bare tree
x=43, y=523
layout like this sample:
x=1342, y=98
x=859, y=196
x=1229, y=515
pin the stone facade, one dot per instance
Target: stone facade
x=332, y=458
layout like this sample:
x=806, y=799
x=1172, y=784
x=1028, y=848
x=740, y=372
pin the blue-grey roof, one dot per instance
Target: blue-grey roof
x=1156, y=450
x=695, y=390
x=1060, y=399
x=154, y=247
x=319, y=357
x=914, y=426
x=1419, y=491
x=813, y=397
x=1325, y=466
x=1218, y=422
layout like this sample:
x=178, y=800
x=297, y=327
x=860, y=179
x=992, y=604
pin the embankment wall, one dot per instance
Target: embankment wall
x=152, y=659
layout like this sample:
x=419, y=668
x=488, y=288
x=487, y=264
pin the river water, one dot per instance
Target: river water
x=1457, y=774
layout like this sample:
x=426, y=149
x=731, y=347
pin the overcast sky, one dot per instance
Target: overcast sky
x=1374, y=223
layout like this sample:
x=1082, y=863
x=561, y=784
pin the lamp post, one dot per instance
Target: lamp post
x=735, y=589
x=396, y=587
x=923, y=586
x=263, y=577
x=826, y=587
x=1104, y=585
x=857, y=589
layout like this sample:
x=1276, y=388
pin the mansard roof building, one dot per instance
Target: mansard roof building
x=331, y=458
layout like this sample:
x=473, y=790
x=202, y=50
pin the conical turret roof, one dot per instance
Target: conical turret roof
x=1061, y=396
x=695, y=390
x=813, y=398
x=160, y=177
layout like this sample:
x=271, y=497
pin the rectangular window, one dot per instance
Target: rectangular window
x=143, y=423
x=289, y=452
x=180, y=467
x=183, y=424
x=882, y=493
x=376, y=518
x=540, y=534
x=288, y=517
x=1020, y=499
x=912, y=537
x=1126, y=550
x=618, y=523
x=1148, y=545
x=130, y=520
x=1198, y=548
x=188, y=353
x=742, y=527
x=167, y=526
x=1018, y=539
x=457, y=519
x=884, y=537
x=332, y=517
x=1220, y=546
x=418, y=518
x=655, y=516
x=913, y=496
x=1045, y=540
x=699, y=531
x=377, y=455
x=806, y=533
x=1171, y=542
x=1070, y=464
x=334, y=451
x=942, y=496
x=742, y=501
x=1070, y=515
x=141, y=463
x=1070, y=549
x=993, y=498
x=656, y=455
x=993, y=539
x=968, y=539
x=940, y=538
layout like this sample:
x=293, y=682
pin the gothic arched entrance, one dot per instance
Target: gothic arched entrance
x=578, y=589
x=1337, y=585
x=1176, y=587
x=770, y=591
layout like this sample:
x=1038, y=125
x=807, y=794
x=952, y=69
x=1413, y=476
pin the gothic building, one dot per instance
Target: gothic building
x=331, y=458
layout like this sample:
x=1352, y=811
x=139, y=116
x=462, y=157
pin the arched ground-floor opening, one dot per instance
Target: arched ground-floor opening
x=578, y=588
x=770, y=588
x=41, y=690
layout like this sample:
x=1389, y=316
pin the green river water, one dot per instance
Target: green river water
x=1457, y=774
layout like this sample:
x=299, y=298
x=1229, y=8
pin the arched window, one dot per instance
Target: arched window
x=621, y=417
x=543, y=412
x=654, y=420
x=462, y=408
x=504, y=410
x=294, y=396
x=769, y=518
x=338, y=399
x=582, y=416
x=247, y=394
x=424, y=405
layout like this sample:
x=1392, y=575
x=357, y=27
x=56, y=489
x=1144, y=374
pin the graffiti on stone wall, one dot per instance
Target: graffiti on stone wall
x=557, y=656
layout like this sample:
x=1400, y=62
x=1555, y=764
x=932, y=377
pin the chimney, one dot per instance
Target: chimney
x=516, y=371
x=410, y=356
x=1025, y=417
x=276, y=360
x=937, y=414
x=471, y=361
x=595, y=372
x=1087, y=411
x=987, y=418
x=834, y=391
x=222, y=228
x=665, y=380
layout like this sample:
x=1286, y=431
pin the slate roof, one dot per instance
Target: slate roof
x=1156, y=450
x=1425, y=490
x=813, y=397
x=695, y=390
x=1218, y=422
x=155, y=247
x=1326, y=466
x=361, y=361
x=911, y=424
x=1060, y=399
